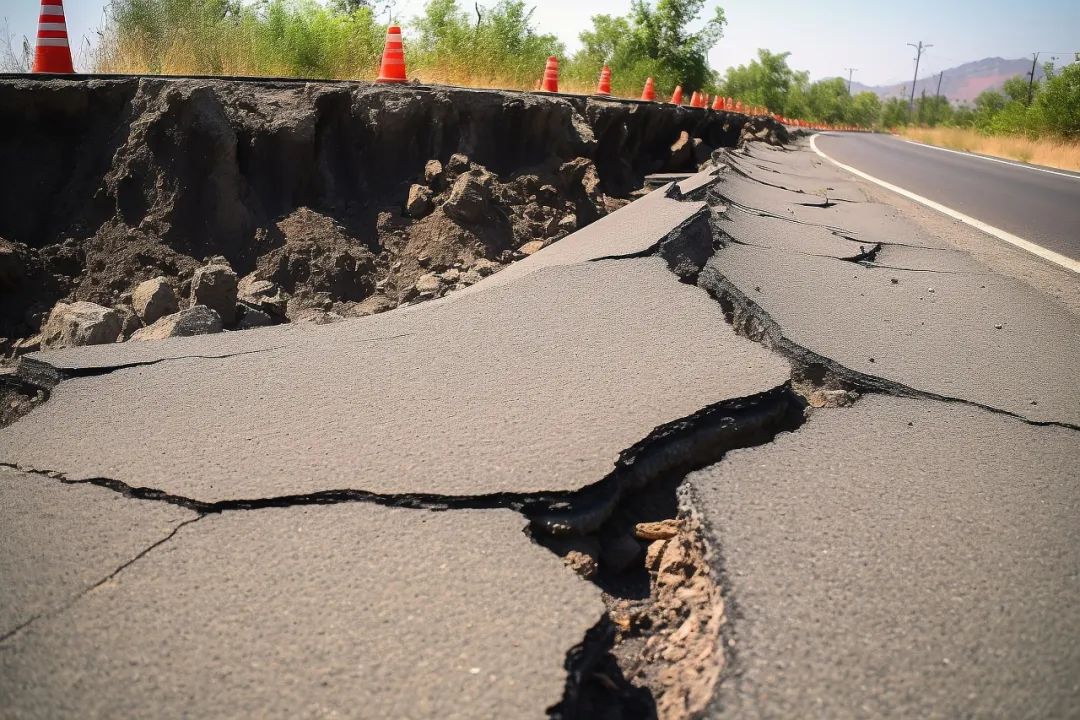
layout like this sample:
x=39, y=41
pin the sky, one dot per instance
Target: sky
x=823, y=36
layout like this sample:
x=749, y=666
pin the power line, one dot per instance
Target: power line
x=919, y=49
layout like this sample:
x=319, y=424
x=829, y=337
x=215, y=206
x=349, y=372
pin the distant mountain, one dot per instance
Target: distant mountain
x=961, y=84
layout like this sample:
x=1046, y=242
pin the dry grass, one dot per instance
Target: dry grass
x=1051, y=152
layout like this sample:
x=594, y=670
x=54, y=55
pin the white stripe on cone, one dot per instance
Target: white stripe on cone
x=52, y=9
x=57, y=42
x=52, y=26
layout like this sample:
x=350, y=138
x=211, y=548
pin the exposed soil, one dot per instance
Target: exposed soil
x=344, y=194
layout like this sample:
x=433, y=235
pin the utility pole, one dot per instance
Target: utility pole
x=918, y=56
x=940, y=75
x=850, y=72
x=1031, y=76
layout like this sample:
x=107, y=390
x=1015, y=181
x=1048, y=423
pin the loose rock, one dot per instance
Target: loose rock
x=419, y=203
x=80, y=323
x=215, y=287
x=153, y=299
x=530, y=247
x=264, y=295
x=469, y=198
x=196, y=320
x=661, y=530
x=428, y=284
x=251, y=317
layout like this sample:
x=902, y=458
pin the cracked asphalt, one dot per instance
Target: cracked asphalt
x=913, y=554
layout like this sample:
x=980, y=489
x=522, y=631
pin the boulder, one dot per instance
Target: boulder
x=129, y=321
x=195, y=320
x=215, y=287
x=428, y=284
x=433, y=174
x=579, y=173
x=457, y=164
x=264, y=295
x=248, y=317
x=153, y=299
x=80, y=323
x=419, y=203
x=469, y=198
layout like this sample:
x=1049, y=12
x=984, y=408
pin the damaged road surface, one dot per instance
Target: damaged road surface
x=752, y=445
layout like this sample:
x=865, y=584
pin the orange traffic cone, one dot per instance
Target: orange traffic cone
x=52, y=53
x=392, y=69
x=729, y=104
x=551, y=76
x=738, y=106
x=718, y=103
x=649, y=93
x=604, y=86
x=676, y=97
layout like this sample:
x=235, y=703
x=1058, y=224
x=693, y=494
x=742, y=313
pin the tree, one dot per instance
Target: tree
x=865, y=109
x=1016, y=89
x=829, y=100
x=766, y=81
x=1058, y=101
x=651, y=41
x=894, y=112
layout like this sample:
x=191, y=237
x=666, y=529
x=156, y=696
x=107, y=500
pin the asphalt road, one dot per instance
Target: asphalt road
x=1039, y=206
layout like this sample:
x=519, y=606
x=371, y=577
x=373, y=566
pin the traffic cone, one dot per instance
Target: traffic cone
x=649, y=93
x=738, y=106
x=718, y=103
x=693, y=99
x=676, y=97
x=392, y=69
x=551, y=76
x=52, y=53
x=729, y=104
x=604, y=86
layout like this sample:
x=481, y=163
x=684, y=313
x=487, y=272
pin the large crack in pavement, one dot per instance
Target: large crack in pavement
x=666, y=640
x=665, y=608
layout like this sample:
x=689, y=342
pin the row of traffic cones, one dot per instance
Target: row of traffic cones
x=52, y=54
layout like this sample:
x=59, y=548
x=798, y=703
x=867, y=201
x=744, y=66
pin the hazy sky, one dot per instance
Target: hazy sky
x=824, y=37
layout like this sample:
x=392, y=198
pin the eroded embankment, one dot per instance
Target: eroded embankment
x=343, y=195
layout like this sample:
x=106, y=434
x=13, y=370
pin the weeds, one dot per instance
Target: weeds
x=1051, y=152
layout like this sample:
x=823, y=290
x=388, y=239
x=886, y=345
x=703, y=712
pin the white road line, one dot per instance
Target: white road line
x=1000, y=234
x=992, y=159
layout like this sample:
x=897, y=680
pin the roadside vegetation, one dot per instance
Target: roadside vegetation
x=480, y=44
x=1046, y=151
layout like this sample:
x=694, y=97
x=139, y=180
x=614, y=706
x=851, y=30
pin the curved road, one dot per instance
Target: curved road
x=1039, y=205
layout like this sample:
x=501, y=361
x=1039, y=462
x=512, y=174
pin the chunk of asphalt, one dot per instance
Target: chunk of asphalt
x=869, y=222
x=46, y=369
x=57, y=541
x=321, y=610
x=696, y=183
x=632, y=230
x=531, y=388
x=835, y=188
x=750, y=228
x=930, y=261
x=933, y=333
x=900, y=558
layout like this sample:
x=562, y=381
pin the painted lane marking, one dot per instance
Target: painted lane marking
x=1057, y=258
x=993, y=159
